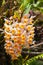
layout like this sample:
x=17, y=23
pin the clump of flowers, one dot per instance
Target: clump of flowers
x=18, y=34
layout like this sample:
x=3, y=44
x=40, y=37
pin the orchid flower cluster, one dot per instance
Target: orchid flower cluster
x=18, y=35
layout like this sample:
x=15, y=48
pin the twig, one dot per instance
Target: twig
x=36, y=45
x=1, y=29
x=30, y=53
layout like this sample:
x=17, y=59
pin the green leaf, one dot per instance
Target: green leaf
x=35, y=61
x=23, y=5
x=28, y=7
x=3, y=2
x=40, y=0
